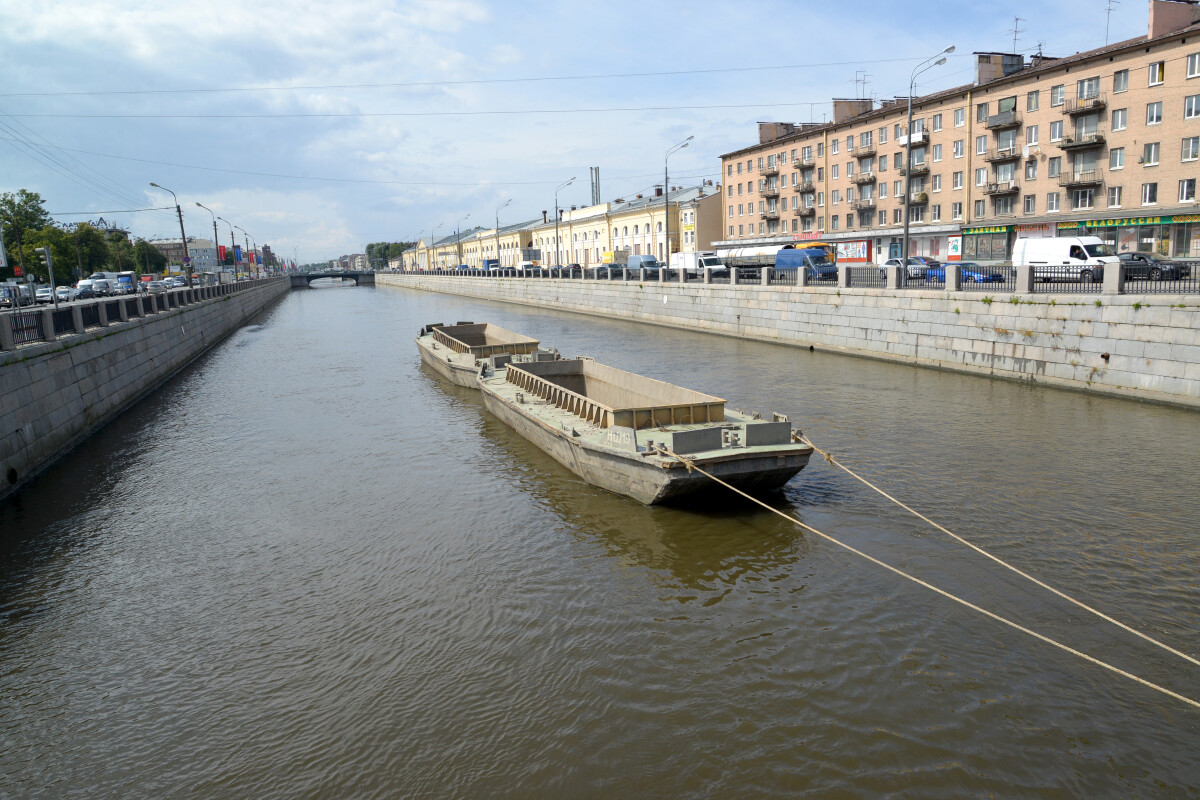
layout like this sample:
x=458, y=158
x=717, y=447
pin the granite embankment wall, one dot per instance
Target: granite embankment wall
x=53, y=395
x=1139, y=346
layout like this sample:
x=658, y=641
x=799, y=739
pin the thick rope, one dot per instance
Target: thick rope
x=829, y=457
x=691, y=466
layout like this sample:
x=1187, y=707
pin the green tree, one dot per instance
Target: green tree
x=21, y=212
x=62, y=252
x=148, y=258
x=120, y=252
x=92, y=249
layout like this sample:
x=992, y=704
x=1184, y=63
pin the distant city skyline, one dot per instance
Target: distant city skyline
x=321, y=130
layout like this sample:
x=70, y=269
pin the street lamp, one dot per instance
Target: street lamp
x=232, y=246
x=557, y=257
x=214, y=216
x=246, y=251
x=458, y=239
x=182, y=236
x=924, y=65
x=502, y=205
x=667, y=196
x=429, y=259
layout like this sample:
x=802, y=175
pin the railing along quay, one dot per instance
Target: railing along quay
x=946, y=277
x=19, y=328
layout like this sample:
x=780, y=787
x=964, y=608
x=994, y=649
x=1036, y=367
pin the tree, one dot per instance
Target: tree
x=120, y=252
x=20, y=212
x=148, y=258
x=92, y=253
x=62, y=252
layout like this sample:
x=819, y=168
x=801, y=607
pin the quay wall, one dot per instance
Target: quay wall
x=1144, y=347
x=53, y=395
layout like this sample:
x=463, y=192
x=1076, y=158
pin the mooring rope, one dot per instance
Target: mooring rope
x=829, y=458
x=691, y=466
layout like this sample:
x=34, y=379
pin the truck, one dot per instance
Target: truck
x=695, y=263
x=1080, y=258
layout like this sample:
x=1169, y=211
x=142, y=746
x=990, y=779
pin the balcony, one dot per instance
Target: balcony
x=770, y=191
x=1083, y=142
x=864, y=177
x=804, y=211
x=1002, y=188
x=1007, y=154
x=863, y=151
x=802, y=162
x=1003, y=121
x=769, y=169
x=920, y=137
x=804, y=188
x=1081, y=180
x=865, y=204
x=918, y=198
x=1085, y=105
x=917, y=169
x=770, y=214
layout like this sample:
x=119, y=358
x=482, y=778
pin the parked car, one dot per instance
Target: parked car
x=915, y=268
x=44, y=295
x=1064, y=258
x=1151, y=266
x=65, y=294
x=970, y=271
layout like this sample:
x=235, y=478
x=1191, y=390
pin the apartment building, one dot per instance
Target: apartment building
x=1104, y=142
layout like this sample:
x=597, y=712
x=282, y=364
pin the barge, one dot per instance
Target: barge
x=455, y=351
x=612, y=428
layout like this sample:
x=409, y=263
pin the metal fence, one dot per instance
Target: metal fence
x=1067, y=279
x=1185, y=280
x=868, y=277
x=64, y=321
x=782, y=277
x=26, y=326
x=91, y=315
x=112, y=310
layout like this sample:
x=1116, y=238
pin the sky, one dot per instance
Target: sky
x=317, y=127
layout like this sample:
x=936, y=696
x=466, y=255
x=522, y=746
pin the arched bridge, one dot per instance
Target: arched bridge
x=302, y=280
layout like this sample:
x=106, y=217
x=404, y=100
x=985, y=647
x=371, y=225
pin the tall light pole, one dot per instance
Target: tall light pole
x=232, y=246
x=502, y=205
x=246, y=252
x=432, y=238
x=182, y=236
x=214, y=216
x=458, y=239
x=557, y=257
x=924, y=65
x=667, y=196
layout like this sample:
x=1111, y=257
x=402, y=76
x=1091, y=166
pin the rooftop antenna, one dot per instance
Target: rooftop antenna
x=1016, y=29
x=1108, y=14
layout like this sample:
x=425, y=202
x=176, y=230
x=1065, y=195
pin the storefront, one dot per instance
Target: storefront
x=855, y=252
x=1175, y=236
x=993, y=243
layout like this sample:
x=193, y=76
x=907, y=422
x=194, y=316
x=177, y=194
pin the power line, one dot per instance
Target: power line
x=118, y=211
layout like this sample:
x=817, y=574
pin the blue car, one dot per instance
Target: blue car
x=970, y=271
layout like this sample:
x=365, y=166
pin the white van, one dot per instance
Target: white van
x=1080, y=258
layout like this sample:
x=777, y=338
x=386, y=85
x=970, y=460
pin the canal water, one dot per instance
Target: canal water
x=308, y=568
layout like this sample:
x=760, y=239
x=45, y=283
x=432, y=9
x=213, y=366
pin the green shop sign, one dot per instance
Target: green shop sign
x=1120, y=223
x=993, y=229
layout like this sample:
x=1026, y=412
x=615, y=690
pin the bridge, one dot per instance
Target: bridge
x=303, y=279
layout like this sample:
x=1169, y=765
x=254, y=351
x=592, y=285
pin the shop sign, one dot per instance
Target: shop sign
x=992, y=229
x=954, y=248
x=1032, y=227
x=854, y=251
x=691, y=226
x=804, y=237
x=1120, y=223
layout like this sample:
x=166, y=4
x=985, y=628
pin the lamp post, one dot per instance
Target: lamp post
x=429, y=259
x=667, y=196
x=182, y=236
x=458, y=239
x=557, y=257
x=502, y=205
x=232, y=246
x=924, y=65
x=246, y=252
x=214, y=216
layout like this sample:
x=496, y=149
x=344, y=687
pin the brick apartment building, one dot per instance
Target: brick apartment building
x=1105, y=142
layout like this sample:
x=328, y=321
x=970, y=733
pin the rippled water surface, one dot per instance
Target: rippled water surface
x=308, y=568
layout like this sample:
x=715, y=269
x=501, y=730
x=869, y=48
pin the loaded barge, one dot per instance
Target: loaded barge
x=455, y=351
x=613, y=429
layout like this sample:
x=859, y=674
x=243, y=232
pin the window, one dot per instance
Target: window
x=833, y=172
x=916, y=213
x=937, y=122
x=897, y=132
x=958, y=148
x=849, y=143
x=1030, y=204
x=980, y=145
x=731, y=230
x=820, y=149
x=960, y=117
x=918, y=156
x=741, y=230
x=1116, y=158
x=820, y=174
x=835, y=197
x=957, y=180
x=980, y=208
x=1191, y=106
x=1114, y=196
x=1190, y=149
x=1149, y=194
x=1056, y=131
x=1052, y=201
x=866, y=139
x=1030, y=170
x=882, y=190
x=1054, y=167
x=935, y=213
x=1193, y=65
x=849, y=220
x=937, y=152
x=760, y=162
x=897, y=189
x=1118, y=119
x=1154, y=113
x=1087, y=88
x=741, y=210
x=1158, y=72
x=883, y=162
x=981, y=176
x=882, y=218
x=956, y=210
x=1003, y=206
x=883, y=135
x=898, y=161
x=936, y=183
x=1083, y=198
x=1058, y=94
x=897, y=216
x=1032, y=101
x=1150, y=154
x=1121, y=81
x=821, y=199
x=849, y=169
x=981, y=112
x=1187, y=190
x=729, y=169
x=833, y=146
x=1031, y=134
x=739, y=168
x=731, y=212
x=835, y=219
